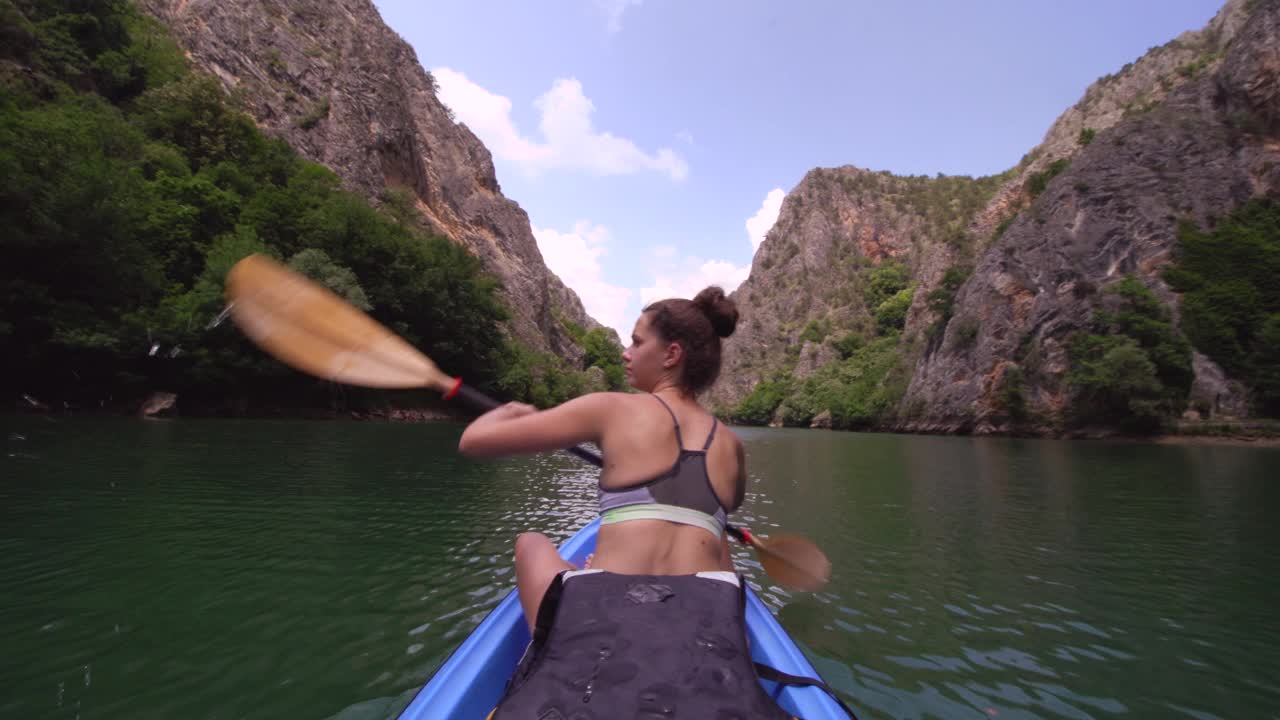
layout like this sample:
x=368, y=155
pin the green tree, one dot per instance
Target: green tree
x=849, y=344
x=193, y=114
x=601, y=350
x=758, y=407
x=1141, y=316
x=941, y=300
x=1132, y=368
x=884, y=281
x=1265, y=362
x=1117, y=381
x=858, y=391
x=892, y=313
x=317, y=265
x=1229, y=278
x=815, y=331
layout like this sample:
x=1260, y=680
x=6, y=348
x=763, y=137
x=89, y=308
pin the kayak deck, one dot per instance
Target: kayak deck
x=472, y=680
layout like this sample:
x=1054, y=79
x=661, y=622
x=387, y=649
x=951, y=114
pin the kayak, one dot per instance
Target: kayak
x=472, y=680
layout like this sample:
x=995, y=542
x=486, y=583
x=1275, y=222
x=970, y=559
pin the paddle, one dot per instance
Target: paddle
x=308, y=327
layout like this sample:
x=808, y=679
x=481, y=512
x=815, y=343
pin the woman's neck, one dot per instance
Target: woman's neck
x=669, y=387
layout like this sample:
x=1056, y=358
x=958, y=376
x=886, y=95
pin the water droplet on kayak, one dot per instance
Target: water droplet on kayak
x=716, y=645
x=653, y=702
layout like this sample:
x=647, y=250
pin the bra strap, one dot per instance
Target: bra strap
x=674, y=421
x=712, y=436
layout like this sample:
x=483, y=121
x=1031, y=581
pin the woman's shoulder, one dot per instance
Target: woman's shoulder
x=609, y=401
x=606, y=396
x=612, y=396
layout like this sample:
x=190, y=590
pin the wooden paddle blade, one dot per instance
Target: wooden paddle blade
x=308, y=327
x=793, y=561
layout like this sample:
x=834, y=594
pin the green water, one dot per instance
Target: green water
x=228, y=569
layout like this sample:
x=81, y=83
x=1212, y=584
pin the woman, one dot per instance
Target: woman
x=671, y=472
x=656, y=627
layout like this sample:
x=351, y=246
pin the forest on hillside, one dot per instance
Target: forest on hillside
x=130, y=184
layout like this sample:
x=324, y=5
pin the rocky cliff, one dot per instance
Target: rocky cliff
x=332, y=80
x=1189, y=131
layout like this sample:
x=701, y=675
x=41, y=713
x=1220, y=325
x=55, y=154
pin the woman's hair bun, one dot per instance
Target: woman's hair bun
x=720, y=310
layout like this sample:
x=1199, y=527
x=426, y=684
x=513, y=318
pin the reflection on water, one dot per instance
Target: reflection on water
x=323, y=570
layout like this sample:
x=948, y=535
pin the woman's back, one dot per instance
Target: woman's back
x=641, y=443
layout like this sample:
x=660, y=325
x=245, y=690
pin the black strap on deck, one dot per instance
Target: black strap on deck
x=781, y=678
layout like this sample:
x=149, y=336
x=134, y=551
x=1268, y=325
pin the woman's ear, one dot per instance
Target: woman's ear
x=673, y=356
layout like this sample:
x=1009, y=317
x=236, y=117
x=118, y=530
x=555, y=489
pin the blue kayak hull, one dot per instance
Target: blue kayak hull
x=471, y=681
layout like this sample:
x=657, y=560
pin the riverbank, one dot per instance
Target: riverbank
x=1240, y=433
x=1251, y=433
x=162, y=405
x=425, y=407
x=1235, y=440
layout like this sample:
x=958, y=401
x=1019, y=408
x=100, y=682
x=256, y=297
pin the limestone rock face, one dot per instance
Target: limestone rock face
x=332, y=80
x=835, y=222
x=1189, y=131
x=1213, y=396
x=1113, y=211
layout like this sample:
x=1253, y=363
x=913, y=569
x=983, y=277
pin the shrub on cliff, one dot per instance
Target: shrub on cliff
x=1230, y=281
x=1132, y=368
x=758, y=407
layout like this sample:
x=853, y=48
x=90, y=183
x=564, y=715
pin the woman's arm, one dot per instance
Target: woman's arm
x=516, y=428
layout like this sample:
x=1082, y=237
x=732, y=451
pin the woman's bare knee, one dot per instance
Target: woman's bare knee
x=537, y=562
x=529, y=545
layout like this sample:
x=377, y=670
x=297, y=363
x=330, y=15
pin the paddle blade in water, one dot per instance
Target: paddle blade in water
x=793, y=561
x=308, y=327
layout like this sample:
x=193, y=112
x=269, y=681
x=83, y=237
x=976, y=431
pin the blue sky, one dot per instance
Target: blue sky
x=650, y=140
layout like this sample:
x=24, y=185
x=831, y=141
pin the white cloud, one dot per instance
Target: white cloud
x=573, y=256
x=613, y=10
x=569, y=140
x=758, y=225
x=489, y=117
x=674, y=282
